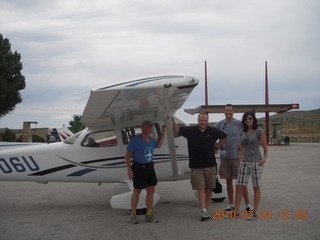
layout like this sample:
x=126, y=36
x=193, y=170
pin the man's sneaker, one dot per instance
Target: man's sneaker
x=249, y=208
x=151, y=218
x=134, y=219
x=230, y=208
x=252, y=216
x=205, y=215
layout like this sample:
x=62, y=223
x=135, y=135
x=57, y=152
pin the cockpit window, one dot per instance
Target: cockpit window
x=100, y=139
x=130, y=132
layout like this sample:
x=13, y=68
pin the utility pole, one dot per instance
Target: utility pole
x=206, y=83
x=267, y=103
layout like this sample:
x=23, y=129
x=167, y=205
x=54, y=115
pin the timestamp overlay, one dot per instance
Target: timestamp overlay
x=263, y=214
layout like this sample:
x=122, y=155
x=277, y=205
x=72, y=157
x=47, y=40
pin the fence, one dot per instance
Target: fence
x=304, y=138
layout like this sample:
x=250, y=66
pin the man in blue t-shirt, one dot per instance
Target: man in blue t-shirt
x=141, y=170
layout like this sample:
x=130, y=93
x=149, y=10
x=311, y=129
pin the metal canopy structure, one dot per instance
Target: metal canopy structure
x=266, y=108
x=277, y=108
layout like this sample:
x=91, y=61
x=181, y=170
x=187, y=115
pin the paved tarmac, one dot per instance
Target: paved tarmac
x=82, y=210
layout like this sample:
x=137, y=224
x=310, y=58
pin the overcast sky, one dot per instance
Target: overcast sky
x=69, y=47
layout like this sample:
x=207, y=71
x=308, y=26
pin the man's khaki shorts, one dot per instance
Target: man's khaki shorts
x=202, y=178
x=229, y=168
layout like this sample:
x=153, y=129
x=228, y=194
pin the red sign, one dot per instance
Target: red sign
x=294, y=106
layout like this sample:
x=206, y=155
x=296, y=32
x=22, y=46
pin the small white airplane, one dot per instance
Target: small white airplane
x=113, y=115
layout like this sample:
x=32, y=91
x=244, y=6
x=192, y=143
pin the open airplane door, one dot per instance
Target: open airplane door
x=129, y=104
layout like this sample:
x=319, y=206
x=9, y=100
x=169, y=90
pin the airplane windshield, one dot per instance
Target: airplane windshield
x=104, y=138
x=73, y=138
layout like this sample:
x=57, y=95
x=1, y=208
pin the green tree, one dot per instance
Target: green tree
x=37, y=138
x=76, y=125
x=8, y=136
x=11, y=79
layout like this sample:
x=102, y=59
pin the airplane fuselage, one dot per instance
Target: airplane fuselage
x=73, y=161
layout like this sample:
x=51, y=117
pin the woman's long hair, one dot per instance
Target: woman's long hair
x=255, y=121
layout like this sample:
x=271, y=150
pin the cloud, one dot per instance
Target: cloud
x=69, y=47
x=62, y=117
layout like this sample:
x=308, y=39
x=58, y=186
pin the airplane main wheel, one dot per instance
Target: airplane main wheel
x=218, y=199
x=141, y=211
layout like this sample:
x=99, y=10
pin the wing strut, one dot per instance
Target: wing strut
x=170, y=134
x=172, y=147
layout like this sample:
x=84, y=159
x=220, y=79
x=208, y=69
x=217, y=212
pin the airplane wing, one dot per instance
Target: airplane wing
x=135, y=101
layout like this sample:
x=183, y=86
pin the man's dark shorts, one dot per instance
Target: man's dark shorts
x=143, y=175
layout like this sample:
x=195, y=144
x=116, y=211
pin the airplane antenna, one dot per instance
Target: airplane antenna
x=206, y=83
x=267, y=102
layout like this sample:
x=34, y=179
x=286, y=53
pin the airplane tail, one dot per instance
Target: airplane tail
x=60, y=133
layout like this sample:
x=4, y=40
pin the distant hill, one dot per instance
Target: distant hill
x=299, y=115
x=302, y=126
x=296, y=119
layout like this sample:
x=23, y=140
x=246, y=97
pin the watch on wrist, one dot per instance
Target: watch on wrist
x=129, y=168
